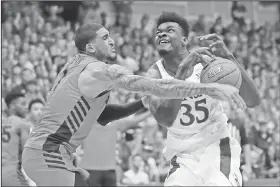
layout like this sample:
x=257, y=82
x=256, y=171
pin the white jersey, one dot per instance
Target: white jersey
x=200, y=120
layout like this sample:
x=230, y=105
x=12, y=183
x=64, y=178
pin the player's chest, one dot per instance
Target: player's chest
x=195, y=109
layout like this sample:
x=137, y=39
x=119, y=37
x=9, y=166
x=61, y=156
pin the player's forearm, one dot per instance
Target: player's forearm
x=165, y=111
x=248, y=90
x=115, y=112
x=171, y=89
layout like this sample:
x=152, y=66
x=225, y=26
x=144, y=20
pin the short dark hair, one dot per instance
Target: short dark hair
x=85, y=34
x=174, y=17
x=12, y=96
x=33, y=101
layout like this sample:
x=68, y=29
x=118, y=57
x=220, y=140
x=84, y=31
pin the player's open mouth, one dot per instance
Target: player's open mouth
x=113, y=50
x=163, y=42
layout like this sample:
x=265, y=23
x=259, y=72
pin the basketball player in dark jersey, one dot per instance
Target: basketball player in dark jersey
x=14, y=134
x=80, y=94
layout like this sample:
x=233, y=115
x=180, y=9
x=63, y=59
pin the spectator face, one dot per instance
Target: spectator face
x=16, y=71
x=138, y=50
x=137, y=161
x=31, y=88
x=11, y=49
x=27, y=75
x=124, y=50
x=70, y=36
x=22, y=59
x=17, y=40
x=25, y=47
x=8, y=27
x=27, y=20
x=54, y=10
x=104, y=45
x=36, y=111
x=48, y=27
x=19, y=107
x=145, y=40
x=169, y=37
x=27, y=32
x=34, y=38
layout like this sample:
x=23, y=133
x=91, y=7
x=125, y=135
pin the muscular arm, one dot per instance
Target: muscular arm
x=165, y=111
x=130, y=122
x=114, y=112
x=23, y=132
x=248, y=90
x=118, y=76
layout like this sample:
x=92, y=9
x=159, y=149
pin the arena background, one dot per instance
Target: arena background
x=35, y=45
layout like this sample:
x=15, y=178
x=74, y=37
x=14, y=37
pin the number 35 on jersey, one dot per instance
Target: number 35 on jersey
x=194, y=110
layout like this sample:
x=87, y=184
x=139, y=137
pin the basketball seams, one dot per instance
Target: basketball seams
x=223, y=72
x=226, y=75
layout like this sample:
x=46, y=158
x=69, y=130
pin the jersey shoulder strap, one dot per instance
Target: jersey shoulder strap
x=162, y=70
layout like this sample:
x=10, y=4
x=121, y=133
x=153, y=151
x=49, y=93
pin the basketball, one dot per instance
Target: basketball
x=222, y=71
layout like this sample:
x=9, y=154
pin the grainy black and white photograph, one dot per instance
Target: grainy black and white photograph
x=140, y=93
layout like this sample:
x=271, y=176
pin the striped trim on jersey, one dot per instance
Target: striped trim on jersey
x=69, y=126
x=225, y=156
x=54, y=160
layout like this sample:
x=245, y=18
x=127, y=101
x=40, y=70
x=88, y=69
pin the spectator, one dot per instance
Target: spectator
x=125, y=60
x=136, y=175
x=35, y=107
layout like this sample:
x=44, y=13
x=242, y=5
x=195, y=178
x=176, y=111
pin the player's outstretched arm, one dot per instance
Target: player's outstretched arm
x=114, y=112
x=173, y=89
x=248, y=90
x=118, y=76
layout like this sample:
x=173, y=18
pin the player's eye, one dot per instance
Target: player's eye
x=105, y=37
x=170, y=30
x=158, y=32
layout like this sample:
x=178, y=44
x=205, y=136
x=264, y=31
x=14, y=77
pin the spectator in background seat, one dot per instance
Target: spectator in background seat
x=125, y=60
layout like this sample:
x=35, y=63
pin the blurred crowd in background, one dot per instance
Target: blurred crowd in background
x=37, y=41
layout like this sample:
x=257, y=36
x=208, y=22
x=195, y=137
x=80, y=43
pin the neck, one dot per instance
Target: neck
x=89, y=54
x=135, y=169
x=171, y=62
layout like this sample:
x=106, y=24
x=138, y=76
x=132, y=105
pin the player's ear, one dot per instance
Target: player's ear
x=184, y=41
x=90, y=48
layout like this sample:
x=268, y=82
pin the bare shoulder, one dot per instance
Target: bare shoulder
x=95, y=66
x=153, y=72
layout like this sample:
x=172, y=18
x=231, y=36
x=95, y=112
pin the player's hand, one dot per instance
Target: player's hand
x=218, y=47
x=227, y=93
x=185, y=69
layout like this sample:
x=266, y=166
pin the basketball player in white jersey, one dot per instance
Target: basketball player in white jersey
x=198, y=142
x=78, y=97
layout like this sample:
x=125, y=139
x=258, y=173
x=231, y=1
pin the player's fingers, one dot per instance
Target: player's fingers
x=212, y=36
x=205, y=51
x=233, y=104
x=240, y=99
